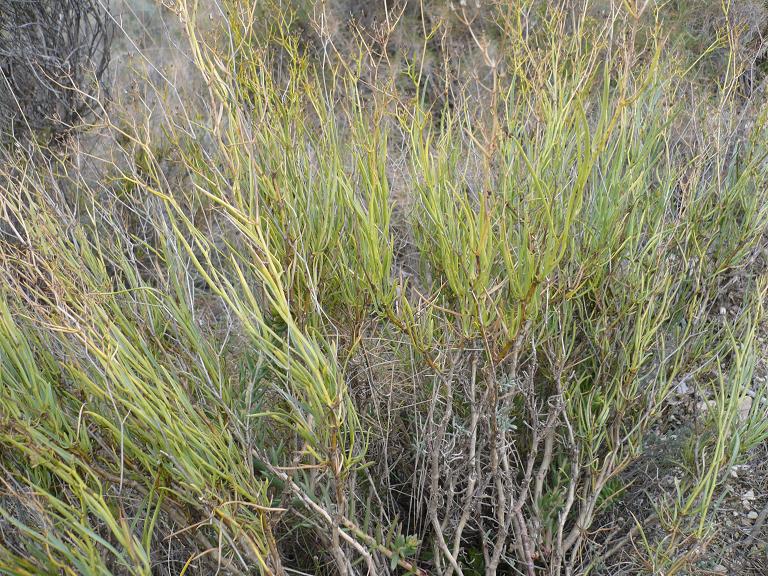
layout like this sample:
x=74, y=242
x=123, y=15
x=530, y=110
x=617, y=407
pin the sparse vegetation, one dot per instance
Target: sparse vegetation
x=53, y=59
x=413, y=294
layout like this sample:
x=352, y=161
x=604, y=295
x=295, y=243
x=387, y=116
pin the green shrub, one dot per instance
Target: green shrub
x=365, y=330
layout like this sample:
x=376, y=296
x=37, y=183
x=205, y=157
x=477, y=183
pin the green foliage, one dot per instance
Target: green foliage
x=362, y=328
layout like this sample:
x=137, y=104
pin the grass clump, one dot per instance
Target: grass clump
x=367, y=313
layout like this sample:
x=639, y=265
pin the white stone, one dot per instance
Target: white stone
x=744, y=408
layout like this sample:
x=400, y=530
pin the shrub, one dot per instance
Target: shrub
x=265, y=363
x=53, y=62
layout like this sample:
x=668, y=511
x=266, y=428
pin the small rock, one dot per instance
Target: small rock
x=738, y=469
x=722, y=310
x=752, y=515
x=704, y=407
x=745, y=406
x=748, y=495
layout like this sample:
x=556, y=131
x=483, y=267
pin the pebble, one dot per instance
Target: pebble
x=748, y=495
x=744, y=408
x=752, y=515
x=704, y=406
